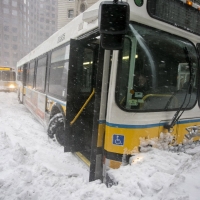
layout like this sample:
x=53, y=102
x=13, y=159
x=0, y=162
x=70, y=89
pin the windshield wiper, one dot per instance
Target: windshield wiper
x=178, y=113
x=170, y=99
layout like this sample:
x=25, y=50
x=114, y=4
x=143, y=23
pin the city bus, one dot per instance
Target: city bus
x=7, y=79
x=116, y=81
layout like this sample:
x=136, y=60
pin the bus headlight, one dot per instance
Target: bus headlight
x=11, y=86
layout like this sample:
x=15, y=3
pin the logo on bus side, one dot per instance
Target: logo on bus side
x=61, y=38
x=118, y=140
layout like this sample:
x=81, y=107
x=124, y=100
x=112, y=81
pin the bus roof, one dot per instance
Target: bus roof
x=88, y=21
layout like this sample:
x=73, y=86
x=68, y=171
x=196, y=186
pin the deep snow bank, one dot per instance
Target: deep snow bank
x=36, y=168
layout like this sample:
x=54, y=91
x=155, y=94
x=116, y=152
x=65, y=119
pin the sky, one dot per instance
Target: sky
x=34, y=167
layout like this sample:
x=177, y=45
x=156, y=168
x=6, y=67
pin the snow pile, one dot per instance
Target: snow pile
x=33, y=167
x=159, y=175
x=165, y=141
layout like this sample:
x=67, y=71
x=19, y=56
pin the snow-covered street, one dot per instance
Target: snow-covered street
x=33, y=167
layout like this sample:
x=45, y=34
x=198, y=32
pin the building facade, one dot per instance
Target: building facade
x=68, y=9
x=24, y=24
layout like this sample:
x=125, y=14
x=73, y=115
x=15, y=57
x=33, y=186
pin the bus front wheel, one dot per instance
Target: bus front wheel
x=56, y=128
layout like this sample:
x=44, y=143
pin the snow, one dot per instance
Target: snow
x=34, y=167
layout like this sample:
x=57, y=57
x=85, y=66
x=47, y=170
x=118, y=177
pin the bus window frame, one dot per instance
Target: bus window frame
x=49, y=68
x=36, y=71
x=28, y=74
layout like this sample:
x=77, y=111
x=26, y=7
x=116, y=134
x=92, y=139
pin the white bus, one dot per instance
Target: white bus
x=106, y=90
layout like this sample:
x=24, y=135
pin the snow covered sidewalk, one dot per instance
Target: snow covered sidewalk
x=33, y=167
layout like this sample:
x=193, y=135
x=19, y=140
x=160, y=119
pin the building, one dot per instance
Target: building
x=68, y=9
x=24, y=24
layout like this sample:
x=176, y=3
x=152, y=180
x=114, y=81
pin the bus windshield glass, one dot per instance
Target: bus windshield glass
x=153, y=73
x=8, y=76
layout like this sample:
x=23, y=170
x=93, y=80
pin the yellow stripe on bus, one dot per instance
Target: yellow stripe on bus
x=132, y=136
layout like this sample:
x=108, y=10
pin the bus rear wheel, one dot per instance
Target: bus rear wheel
x=56, y=128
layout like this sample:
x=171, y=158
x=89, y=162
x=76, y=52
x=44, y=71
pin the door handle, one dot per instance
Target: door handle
x=84, y=105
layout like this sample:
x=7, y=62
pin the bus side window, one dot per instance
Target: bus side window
x=41, y=74
x=30, y=74
x=59, y=72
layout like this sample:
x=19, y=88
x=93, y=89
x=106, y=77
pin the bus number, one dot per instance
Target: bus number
x=61, y=38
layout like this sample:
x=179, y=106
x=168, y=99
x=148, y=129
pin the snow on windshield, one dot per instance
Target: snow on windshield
x=34, y=167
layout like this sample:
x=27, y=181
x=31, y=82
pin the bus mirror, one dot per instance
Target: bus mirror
x=113, y=24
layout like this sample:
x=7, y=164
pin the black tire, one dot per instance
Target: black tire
x=56, y=128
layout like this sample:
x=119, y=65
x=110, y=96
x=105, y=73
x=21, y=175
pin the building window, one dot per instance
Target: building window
x=14, y=3
x=14, y=38
x=82, y=7
x=15, y=55
x=6, y=63
x=14, y=12
x=6, y=37
x=6, y=54
x=6, y=10
x=15, y=47
x=6, y=28
x=6, y=46
x=6, y=2
x=14, y=30
x=70, y=13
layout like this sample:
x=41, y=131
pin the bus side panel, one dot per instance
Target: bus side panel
x=36, y=103
x=127, y=140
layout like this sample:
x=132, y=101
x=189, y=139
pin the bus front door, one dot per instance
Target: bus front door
x=81, y=98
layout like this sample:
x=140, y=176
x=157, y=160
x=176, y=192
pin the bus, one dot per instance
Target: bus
x=7, y=79
x=120, y=78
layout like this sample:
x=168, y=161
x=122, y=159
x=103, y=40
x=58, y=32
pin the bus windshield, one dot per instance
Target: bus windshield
x=153, y=73
x=8, y=76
